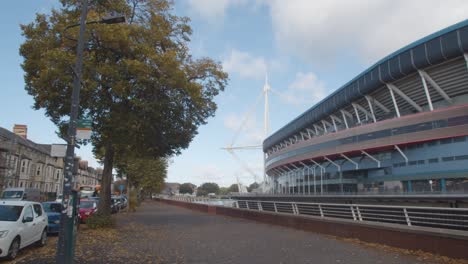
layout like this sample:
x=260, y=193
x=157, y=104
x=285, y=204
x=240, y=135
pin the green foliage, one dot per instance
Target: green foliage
x=223, y=190
x=100, y=221
x=206, y=188
x=146, y=173
x=186, y=188
x=144, y=92
x=253, y=186
x=233, y=188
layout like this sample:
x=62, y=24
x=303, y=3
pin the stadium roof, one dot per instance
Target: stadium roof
x=445, y=44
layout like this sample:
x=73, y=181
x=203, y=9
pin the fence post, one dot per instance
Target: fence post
x=295, y=210
x=321, y=211
x=276, y=209
x=247, y=204
x=359, y=213
x=352, y=212
x=407, y=217
x=259, y=204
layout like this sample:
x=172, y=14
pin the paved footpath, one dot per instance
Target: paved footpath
x=186, y=236
x=161, y=233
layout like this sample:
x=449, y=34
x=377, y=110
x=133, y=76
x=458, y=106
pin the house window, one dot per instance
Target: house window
x=23, y=166
x=38, y=172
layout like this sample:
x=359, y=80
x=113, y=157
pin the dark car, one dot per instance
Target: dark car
x=115, y=205
x=53, y=210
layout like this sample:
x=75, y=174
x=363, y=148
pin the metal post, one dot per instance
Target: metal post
x=315, y=183
x=65, y=249
x=426, y=91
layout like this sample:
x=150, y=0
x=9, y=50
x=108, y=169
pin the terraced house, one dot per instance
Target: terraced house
x=24, y=163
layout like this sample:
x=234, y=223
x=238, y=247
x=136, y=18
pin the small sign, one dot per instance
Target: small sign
x=121, y=187
x=83, y=129
x=58, y=150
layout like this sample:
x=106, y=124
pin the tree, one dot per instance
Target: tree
x=146, y=173
x=143, y=91
x=234, y=188
x=223, y=190
x=253, y=186
x=206, y=188
x=186, y=188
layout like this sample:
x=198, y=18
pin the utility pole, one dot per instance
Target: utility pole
x=65, y=247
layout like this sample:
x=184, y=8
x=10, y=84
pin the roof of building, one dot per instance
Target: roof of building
x=445, y=44
x=10, y=136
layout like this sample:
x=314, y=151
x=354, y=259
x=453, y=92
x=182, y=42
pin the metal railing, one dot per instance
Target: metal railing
x=448, y=218
x=434, y=217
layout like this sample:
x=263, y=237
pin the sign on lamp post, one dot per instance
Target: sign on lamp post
x=83, y=129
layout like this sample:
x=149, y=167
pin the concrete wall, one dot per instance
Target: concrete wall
x=448, y=243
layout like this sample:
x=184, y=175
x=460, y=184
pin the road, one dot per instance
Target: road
x=161, y=233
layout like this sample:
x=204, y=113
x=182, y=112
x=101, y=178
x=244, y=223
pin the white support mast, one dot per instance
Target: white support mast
x=266, y=124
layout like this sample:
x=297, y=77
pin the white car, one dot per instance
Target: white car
x=22, y=223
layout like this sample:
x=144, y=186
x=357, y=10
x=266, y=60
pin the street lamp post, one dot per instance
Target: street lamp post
x=65, y=247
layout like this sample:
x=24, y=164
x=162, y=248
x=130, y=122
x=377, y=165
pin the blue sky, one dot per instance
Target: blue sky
x=308, y=48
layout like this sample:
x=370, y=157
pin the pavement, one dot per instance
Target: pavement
x=161, y=233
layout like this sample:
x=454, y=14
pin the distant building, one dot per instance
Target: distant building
x=24, y=163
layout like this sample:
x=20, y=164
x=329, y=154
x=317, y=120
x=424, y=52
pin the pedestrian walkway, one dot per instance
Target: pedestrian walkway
x=176, y=235
x=161, y=233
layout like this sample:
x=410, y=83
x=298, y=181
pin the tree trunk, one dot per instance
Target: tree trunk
x=104, y=207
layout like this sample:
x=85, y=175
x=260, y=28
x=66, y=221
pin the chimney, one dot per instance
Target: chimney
x=21, y=130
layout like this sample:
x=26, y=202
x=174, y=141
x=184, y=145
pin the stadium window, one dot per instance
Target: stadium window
x=448, y=158
x=402, y=164
x=413, y=162
x=435, y=160
x=446, y=141
x=463, y=157
x=432, y=143
x=395, y=165
x=459, y=139
x=421, y=162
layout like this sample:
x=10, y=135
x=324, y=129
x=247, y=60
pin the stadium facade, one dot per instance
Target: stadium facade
x=400, y=126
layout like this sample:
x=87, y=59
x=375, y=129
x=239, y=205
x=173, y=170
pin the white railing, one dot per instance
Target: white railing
x=436, y=217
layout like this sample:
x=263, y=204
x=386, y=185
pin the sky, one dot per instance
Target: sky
x=308, y=49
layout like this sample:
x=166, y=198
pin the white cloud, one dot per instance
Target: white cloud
x=320, y=30
x=306, y=89
x=246, y=65
x=245, y=128
x=212, y=10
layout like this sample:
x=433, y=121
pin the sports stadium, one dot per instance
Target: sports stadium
x=401, y=126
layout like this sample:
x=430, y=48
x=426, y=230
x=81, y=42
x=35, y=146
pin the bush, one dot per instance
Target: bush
x=99, y=221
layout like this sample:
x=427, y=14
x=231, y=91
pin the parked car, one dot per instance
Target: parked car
x=22, y=223
x=87, y=209
x=53, y=210
x=115, y=205
x=123, y=201
x=59, y=198
x=21, y=194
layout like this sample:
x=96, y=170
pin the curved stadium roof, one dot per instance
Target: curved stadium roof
x=445, y=44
